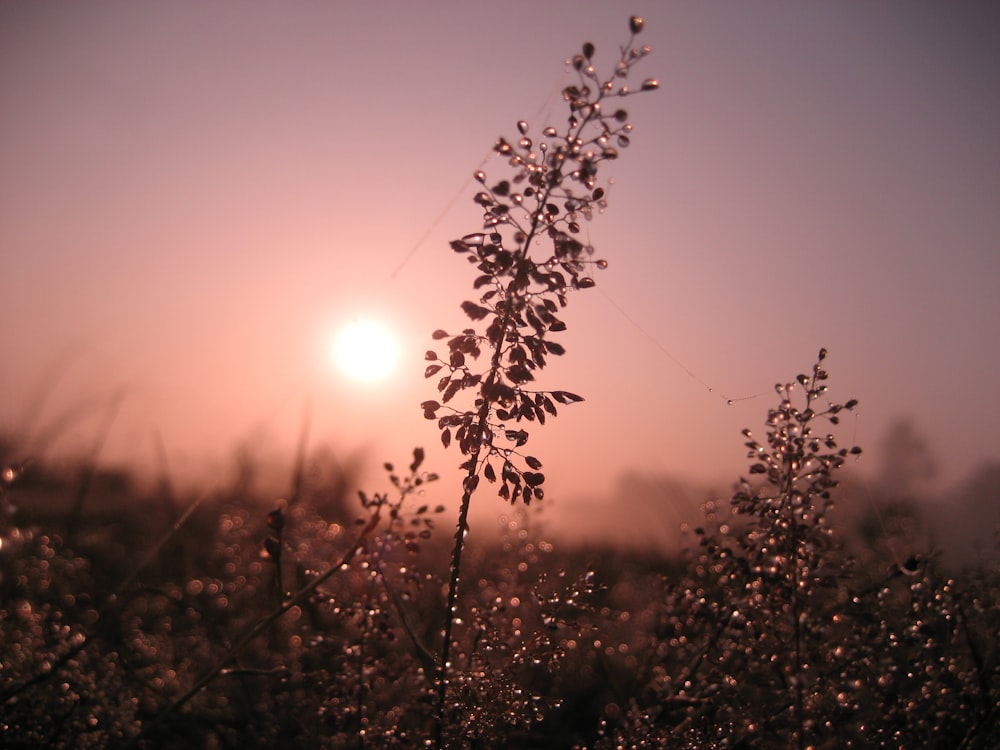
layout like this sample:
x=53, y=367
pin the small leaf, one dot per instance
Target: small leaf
x=453, y=387
x=518, y=437
x=548, y=406
x=439, y=334
x=446, y=437
x=635, y=24
x=565, y=397
x=431, y=369
x=533, y=462
x=474, y=311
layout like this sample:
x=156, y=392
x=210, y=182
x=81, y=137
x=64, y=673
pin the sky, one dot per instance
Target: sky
x=195, y=197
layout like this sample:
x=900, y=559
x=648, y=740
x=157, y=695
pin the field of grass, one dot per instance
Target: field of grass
x=327, y=619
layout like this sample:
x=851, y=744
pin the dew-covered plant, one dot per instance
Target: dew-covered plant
x=315, y=622
x=775, y=636
x=529, y=256
x=768, y=633
x=750, y=644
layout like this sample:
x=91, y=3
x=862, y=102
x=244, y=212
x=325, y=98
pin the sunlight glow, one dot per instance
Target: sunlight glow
x=365, y=351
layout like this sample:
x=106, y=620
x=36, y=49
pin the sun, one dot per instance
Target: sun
x=365, y=351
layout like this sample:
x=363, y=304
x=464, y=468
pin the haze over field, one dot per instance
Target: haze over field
x=195, y=199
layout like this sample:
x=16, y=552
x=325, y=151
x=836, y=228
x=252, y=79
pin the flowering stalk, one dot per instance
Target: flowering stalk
x=528, y=257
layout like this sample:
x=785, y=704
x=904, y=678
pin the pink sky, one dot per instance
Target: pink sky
x=194, y=197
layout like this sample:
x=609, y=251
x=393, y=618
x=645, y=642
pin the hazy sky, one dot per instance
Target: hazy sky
x=195, y=196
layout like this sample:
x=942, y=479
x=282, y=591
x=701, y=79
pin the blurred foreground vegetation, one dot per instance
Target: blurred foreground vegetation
x=116, y=601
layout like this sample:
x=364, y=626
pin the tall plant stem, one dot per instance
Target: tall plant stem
x=795, y=608
x=468, y=489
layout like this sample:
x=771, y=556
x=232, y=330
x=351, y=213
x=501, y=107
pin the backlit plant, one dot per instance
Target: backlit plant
x=529, y=256
x=317, y=621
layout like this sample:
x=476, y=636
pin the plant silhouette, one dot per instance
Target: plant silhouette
x=334, y=621
x=528, y=256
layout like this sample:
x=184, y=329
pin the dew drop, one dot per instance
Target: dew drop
x=602, y=264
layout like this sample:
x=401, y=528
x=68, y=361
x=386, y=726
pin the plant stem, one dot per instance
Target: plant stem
x=470, y=482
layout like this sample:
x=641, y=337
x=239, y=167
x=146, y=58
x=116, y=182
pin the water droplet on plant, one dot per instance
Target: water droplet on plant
x=480, y=175
x=602, y=264
x=549, y=132
x=522, y=127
